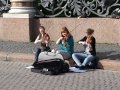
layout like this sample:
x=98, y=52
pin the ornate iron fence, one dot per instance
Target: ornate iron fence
x=79, y=8
x=73, y=8
x=4, y=6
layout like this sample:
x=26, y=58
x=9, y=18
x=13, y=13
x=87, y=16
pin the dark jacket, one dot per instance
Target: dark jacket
x=93, y=52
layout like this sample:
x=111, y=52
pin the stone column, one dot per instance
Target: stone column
x=21, y=9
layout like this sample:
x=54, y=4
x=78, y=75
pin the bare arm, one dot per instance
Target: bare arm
x=37, y=39
x=59, y=40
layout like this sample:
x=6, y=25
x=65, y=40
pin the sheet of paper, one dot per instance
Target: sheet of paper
x=77, y=70
x=30, y=67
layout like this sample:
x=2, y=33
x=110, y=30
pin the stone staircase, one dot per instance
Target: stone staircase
x=108, y=54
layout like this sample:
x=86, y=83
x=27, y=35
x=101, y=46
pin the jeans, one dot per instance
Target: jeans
x=82, y=58
x=36, y=56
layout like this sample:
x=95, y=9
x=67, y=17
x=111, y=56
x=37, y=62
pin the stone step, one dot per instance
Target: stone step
x=19, y=57
x=106, y=64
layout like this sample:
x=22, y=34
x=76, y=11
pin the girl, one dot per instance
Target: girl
x=44, y=39
x=66, y=44
x=89, y=42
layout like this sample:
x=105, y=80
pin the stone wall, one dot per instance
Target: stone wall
x=14, y=29
x=106, y=30
x=1, y=30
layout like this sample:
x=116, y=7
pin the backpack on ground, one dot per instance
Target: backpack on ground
x=52, y=66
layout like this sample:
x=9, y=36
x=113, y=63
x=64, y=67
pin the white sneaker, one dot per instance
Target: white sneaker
x=30, y=67
x=77, y=70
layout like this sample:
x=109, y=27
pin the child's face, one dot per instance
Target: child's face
x=42, y=31
x=64, y=34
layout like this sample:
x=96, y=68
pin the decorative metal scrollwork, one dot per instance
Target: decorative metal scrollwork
x=101, y=8
x=4, y=6
x=81, y=8
x=74, y=8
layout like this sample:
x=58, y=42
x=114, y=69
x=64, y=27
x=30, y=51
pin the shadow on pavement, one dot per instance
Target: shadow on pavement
x=108, y=55
x=39, y=71
x=111, y=55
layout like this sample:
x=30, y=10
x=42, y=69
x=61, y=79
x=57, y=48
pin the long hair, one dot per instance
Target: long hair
x=90, y=40
x=65, y=30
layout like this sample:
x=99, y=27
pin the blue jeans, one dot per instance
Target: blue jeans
x=82, y=58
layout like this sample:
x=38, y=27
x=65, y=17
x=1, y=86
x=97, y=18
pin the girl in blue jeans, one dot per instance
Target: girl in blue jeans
x=89, y=42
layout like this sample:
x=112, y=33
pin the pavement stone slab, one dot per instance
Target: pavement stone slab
x=14, y=76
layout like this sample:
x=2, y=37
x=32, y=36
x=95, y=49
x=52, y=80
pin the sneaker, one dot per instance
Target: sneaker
x=77, y=66
x=83, y=68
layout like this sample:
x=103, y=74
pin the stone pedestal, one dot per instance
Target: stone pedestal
x=17, y=29
x=17, y=24
x=21, y=9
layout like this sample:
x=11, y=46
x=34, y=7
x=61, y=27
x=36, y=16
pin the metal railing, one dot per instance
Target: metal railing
x=72, y=8
x=79, y=8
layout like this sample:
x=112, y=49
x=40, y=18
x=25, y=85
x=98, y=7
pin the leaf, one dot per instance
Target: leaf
x=76, y=7
x=46, y=3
